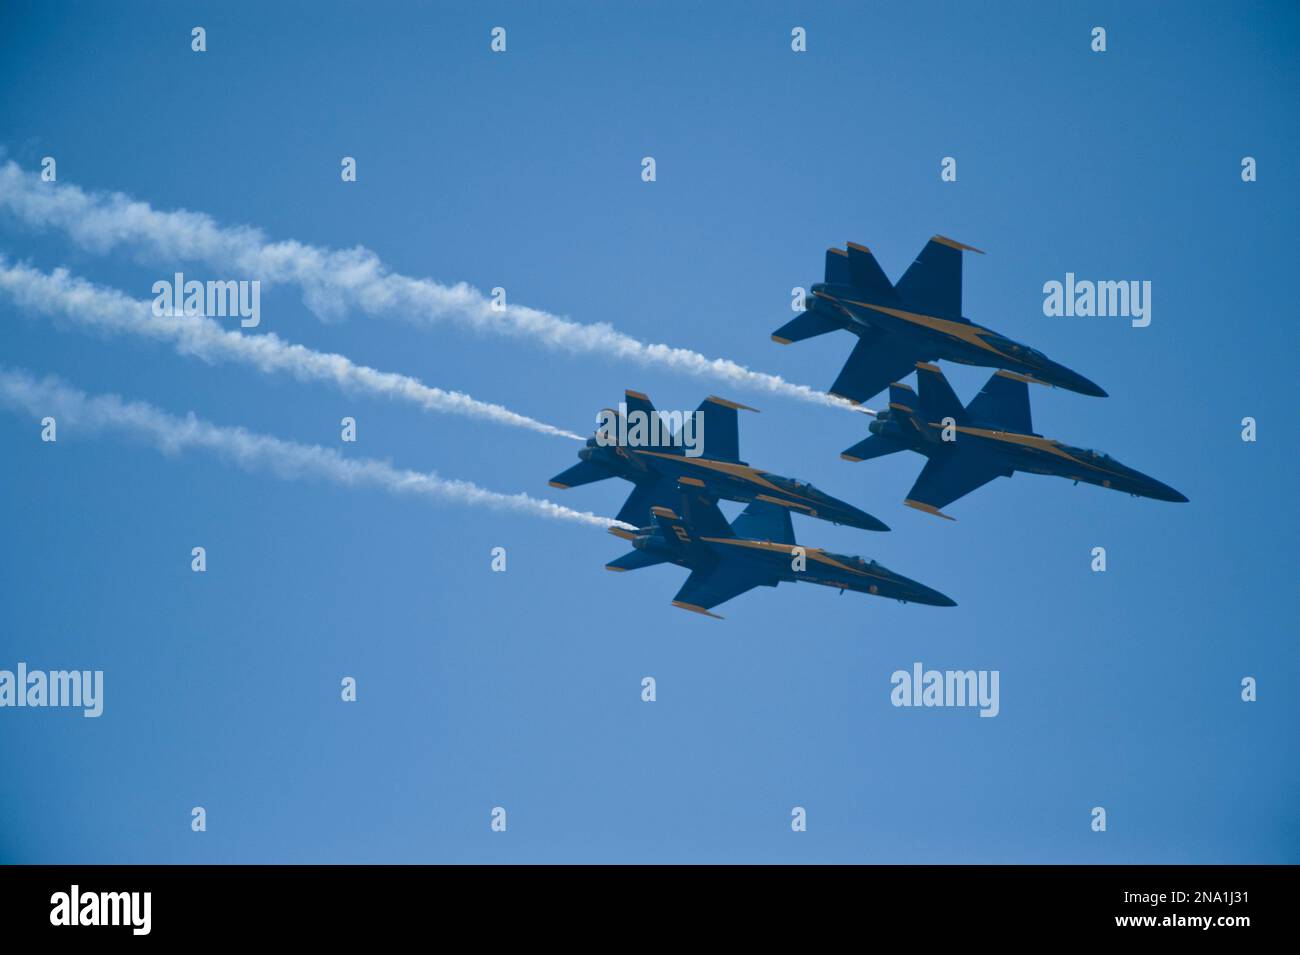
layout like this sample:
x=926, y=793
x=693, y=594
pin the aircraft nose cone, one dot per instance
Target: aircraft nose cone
x=1146, y=486
x=935, y=599
x=865, y=521
x=1077, y=383
x=1166, y=493
x=921, y=594
x=838, y=512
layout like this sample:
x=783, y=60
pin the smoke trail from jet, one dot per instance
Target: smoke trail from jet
x=76, y=411
x=68, y=298
x=333, y=282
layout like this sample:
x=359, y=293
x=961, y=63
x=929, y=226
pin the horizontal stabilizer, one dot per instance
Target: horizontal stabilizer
x=807, y=325
x=875, y=446
x=635, y=560
x=584, y=472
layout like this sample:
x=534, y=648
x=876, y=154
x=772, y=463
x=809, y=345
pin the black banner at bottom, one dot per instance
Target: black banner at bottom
x=336, y=903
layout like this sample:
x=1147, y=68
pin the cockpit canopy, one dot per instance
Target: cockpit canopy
x=1009, y=347
x=794, y=485
x=1089, y=454
x=851, y=560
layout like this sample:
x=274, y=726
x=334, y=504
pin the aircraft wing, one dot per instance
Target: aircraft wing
x=945, y=479
x=874, y=363
x=705, y=589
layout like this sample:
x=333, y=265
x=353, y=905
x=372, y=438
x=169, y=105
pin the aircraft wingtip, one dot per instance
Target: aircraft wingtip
x=694, y=609
x=954, y=244
x=928, y=509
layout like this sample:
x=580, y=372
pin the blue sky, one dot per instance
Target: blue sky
x=522, y=689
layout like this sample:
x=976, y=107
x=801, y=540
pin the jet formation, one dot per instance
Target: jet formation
x=681, y=468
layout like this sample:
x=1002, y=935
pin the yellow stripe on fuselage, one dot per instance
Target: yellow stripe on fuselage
x=967, y=333
x=1032, y=441
x=813, y=553
x=742, y=471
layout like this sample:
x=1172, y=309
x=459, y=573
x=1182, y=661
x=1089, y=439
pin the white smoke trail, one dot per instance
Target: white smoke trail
x=96, y=307
x=335, y=281
x=256, y=453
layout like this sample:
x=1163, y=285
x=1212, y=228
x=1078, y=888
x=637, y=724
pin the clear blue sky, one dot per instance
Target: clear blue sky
x=522, y=689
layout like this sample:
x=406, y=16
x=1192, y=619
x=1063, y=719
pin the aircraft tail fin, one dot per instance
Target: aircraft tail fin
x=765, y=521
x=647, y=427
x=938, y=400
x=695, y=516
x=901, y=397
x=903, y=409
x=866, y=274
x=932, y=284
x=636, y=401
x=839, y=270
x=645, y=495
x=718, y=430
x=1003, y=404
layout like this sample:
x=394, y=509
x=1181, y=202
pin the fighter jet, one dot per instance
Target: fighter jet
x=756, y=550
x=919, y=319
x=991, y=437
x=703, y=452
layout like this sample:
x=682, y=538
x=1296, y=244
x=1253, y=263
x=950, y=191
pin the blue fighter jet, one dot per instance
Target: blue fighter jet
x=756, y=550
x=919, y=319
x=638, y=446
x=989, y=438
